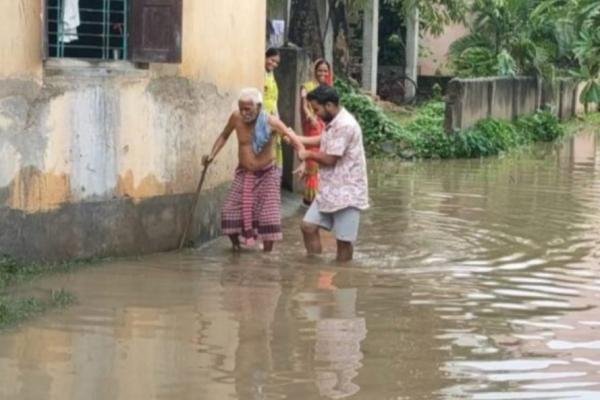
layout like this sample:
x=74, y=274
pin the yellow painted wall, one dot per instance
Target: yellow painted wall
x=148, y=143
x=224, y=42
x=20, y=38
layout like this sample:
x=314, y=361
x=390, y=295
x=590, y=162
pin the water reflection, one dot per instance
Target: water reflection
x=474, y=279
x=338, y=334
x=251, y=296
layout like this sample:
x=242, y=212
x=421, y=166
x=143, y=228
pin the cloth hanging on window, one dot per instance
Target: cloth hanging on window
x=70, y=21
x=278, y=34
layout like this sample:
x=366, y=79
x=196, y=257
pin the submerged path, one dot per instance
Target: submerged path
x=474, y=279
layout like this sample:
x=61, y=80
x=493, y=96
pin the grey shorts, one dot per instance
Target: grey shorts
x=344, y=223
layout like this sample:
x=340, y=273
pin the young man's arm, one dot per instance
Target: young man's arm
x=221, y=140
x=332, y=150
x=310, y=140
x=320, y=157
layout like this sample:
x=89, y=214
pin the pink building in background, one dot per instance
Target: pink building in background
x=434, y=61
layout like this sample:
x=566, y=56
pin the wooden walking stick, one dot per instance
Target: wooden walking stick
x=193, y=209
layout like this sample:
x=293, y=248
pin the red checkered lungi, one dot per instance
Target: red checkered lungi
x=252, y=208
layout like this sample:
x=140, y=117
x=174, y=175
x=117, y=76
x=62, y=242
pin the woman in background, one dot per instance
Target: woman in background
x=313, y=126
x=271, y=96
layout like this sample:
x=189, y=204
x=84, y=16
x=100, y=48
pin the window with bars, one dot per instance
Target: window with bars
x=136, y=30
x=88, y=29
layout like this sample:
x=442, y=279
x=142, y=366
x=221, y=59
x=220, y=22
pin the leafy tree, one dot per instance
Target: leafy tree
x=506, y=39
x=307, y=23
x=542, y=37
x=586, y=48
x=434, y=15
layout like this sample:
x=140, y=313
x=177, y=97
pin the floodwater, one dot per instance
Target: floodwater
x=476, y=279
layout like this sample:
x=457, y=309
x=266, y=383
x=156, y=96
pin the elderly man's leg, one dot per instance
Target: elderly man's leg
x=268, y=205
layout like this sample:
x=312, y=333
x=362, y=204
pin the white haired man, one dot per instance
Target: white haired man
x=252, y=209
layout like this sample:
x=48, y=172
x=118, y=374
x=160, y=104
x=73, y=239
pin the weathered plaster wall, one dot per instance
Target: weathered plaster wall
x=471, y=100
x=98, y=166
x=97, y=161
x=20, y=39
x=88, y=139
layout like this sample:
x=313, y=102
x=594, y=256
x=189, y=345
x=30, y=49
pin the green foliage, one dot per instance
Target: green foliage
x=428, y=137
x=437, y=92
x=424, y=136
x=542, y=126
x=434, y=15
x=506, y=38
x=475, y=61
x=506, y=64
x=12, y=271
x=547, y=38
x=378, y=127
x=487, y=138
x=592, y=119
x=587, y=51
x=14, y=309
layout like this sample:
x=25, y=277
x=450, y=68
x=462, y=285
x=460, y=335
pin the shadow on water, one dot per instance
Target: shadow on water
x=474, y=279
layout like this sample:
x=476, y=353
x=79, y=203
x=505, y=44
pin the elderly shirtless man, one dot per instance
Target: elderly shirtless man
x=252, y=209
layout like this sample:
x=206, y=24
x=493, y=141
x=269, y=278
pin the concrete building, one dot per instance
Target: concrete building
x=101, y=157
x=435, y=60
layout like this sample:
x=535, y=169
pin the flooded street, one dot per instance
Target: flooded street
x=473, y=279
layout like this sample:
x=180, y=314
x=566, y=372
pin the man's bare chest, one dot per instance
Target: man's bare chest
x=244, y=134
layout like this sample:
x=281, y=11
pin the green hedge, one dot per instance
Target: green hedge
x=15, y=308
x=424, y=136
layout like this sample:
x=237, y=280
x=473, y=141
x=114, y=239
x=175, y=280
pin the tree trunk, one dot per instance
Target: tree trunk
x=341, y=33
x=305, y=28
x=305, y=31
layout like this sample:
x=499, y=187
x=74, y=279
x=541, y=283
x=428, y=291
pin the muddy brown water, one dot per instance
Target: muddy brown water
x=475, y=279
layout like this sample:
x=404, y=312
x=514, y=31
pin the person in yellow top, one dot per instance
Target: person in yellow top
x=271, y=96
